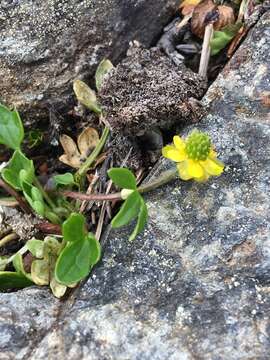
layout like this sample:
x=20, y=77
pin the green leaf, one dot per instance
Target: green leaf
x=36, y=194
x=86, y=96
x=103, y=68
x=74, y=228
x=40, y=272
x=95, y=249
x=128, y=211
x=64, y=179
x=19, y=169
x=34, y=138
x=223, y=37
x=52, y=217
x=123, y=178
x=13, y=280
x=58, y=290
x=142, y=219
x=11, y=128
x=19, y=267
x=36, y=248
x=39, y=207
x=74, y=262
x=34, y=197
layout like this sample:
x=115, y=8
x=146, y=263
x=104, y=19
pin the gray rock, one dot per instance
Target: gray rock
x=46, y=44
x=195, y=284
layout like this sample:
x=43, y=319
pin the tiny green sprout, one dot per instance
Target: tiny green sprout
x=34, y=138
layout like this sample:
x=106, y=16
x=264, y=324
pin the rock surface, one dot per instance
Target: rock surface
x=195, y=285
x=46, y=44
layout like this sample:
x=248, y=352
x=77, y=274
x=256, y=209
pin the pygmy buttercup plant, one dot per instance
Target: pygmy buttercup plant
x=63, y=261
x=195, y=156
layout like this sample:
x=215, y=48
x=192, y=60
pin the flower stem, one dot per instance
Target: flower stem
x=163, y=179
x=92, y=157
x=45, y=195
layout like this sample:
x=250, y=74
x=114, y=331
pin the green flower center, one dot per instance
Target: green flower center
x=198, y=145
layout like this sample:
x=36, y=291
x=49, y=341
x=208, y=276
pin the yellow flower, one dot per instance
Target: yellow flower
x=195, y=157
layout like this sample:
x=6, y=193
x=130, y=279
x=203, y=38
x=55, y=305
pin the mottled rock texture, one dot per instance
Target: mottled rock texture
x=195, y=284
x=45, y=44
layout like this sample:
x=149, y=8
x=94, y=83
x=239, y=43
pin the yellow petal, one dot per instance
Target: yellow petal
x=179, y=143
x=203, y=178
x=195, y=169
x=213, y=167
x=170, y=152
x=183, y=171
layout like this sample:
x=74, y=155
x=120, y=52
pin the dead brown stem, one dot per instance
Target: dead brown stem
x=23, y=205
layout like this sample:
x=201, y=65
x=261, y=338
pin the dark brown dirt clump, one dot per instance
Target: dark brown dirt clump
x=147, y=91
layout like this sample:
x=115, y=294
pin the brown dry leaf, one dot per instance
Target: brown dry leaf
x=87, y=140
x=226, y=17
x=72, y=155
x=187, y=6
x=201, y=11
x=206, y=11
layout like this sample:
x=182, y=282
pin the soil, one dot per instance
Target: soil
x=147, y=91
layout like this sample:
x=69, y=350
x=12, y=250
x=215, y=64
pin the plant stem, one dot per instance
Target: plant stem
x=23, y=205
x=92, y=157
x=6, y=239
x=96, y=197
x=45, y=195
x=163, y=179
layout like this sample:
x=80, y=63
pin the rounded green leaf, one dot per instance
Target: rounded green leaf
x=64, y=179
x=36, y=247
x=123, y=178
x=74, y=228
x=74, y=262
x=11, y=128
x=19, y=267
x=142, y=219
x=95, y=249
x=19, y=169
x=103, y=68
x=13, y=280
x=40, y=272
x=128, y=211
x=86, y=96
x=39, y=207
